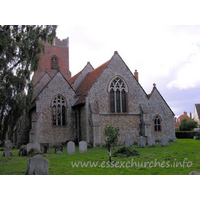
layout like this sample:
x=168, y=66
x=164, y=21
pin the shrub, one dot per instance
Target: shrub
x=187, y=134
x=125, y=152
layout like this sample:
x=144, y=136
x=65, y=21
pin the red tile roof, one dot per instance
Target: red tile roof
x=72, y=79
x=88, y=82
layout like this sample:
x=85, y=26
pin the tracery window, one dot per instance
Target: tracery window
x=59, y=107
x=54, y=63
x=118, y=99
x=157, y=123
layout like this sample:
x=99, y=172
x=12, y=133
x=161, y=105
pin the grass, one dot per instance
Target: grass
x=146, y=164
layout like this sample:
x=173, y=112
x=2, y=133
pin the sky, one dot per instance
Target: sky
x=168, y=55
x=159, y=39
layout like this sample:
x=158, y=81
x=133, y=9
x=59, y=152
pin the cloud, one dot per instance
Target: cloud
x=188, y=75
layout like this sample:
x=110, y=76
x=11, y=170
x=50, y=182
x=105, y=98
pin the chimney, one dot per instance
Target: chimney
x=190, y=115
x=136, y=75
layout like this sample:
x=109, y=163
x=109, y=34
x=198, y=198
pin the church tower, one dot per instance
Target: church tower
x=55, y=58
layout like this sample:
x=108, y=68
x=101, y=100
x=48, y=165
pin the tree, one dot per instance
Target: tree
x=187, y=125
x=111, y=137
x=20, y=47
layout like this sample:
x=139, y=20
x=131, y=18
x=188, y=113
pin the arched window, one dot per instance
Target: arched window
x=54, y=63
x=59, y=107
x=157, y=123
x=118, y=99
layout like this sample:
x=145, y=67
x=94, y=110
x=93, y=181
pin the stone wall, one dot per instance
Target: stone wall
x=46, y=131
x=157, y=106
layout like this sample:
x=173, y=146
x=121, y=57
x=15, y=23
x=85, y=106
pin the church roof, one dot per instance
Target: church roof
x=72, y=79
x=88, y=82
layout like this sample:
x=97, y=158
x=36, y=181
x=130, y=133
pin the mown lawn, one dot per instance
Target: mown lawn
x=152, y=161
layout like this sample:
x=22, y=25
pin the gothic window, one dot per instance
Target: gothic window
x=54, y=63
x=59, y=107
x=118, y=97
x=157, y=123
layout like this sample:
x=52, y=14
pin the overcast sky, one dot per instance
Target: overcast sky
x=143, y=33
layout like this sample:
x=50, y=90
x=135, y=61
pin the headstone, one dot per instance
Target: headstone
x=23, y=151
x=129, y=141
x=194, y=173
x=82, y=146
x=141, y=142
x=71, y=147
x=7, y=153
x=37, y=165
x=164, y=141
x=151, y=141
x=35, y=146
x=44, y=147
x=8, y=145
x=58, y=149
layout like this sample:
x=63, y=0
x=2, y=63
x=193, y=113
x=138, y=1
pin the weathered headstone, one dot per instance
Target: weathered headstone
x=7, y=153
x=35, y=146
x=70, y=147
x=8, y=145
x=82, y=146
x=141, y=142
x=44, y=147
x=194, y=173
x=129, y=141
x=37, y=165
x=23, y=151
x=58, y=149
x=164, y=141
x=151, y=141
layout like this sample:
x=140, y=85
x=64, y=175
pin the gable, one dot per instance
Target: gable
x=40, y=85
x=78, y=78
x=156, y=99
x=56, y=84
x=197, y=109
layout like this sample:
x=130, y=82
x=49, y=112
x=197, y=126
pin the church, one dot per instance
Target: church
x=78, y=108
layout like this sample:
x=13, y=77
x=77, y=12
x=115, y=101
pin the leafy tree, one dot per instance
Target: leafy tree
x=111, y=138
x=19, y=58
x=187, y=125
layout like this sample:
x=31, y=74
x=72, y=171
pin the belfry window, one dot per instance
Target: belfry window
x=118, y=97
x=157, y=123
x=59, y=107
x=54, y=63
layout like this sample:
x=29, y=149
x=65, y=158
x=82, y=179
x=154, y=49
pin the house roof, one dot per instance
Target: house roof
x=88, y=82
x=198, y=109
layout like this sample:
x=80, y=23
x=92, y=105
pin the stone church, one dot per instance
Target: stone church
x=78, y=108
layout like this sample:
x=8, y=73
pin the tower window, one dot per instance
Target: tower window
x=59, y=108
x=118, y=101
x=54, y=63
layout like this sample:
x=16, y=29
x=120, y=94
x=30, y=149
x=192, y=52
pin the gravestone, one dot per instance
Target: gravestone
x=7, y=153
x=164, y=141
x=129, y=141
x=44, y=147
x=70, y=147
x=58, y=149
x=141, y=142
x=23, y=151
x=151, y=141
x=194, y=173
x=35, y=146
x=8, y=145
x=82, y=146
x=37, y=165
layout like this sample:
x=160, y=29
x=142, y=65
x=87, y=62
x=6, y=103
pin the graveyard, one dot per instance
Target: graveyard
x=177, y=158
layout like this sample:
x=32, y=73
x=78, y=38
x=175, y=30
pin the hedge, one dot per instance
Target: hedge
x=186, y=134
